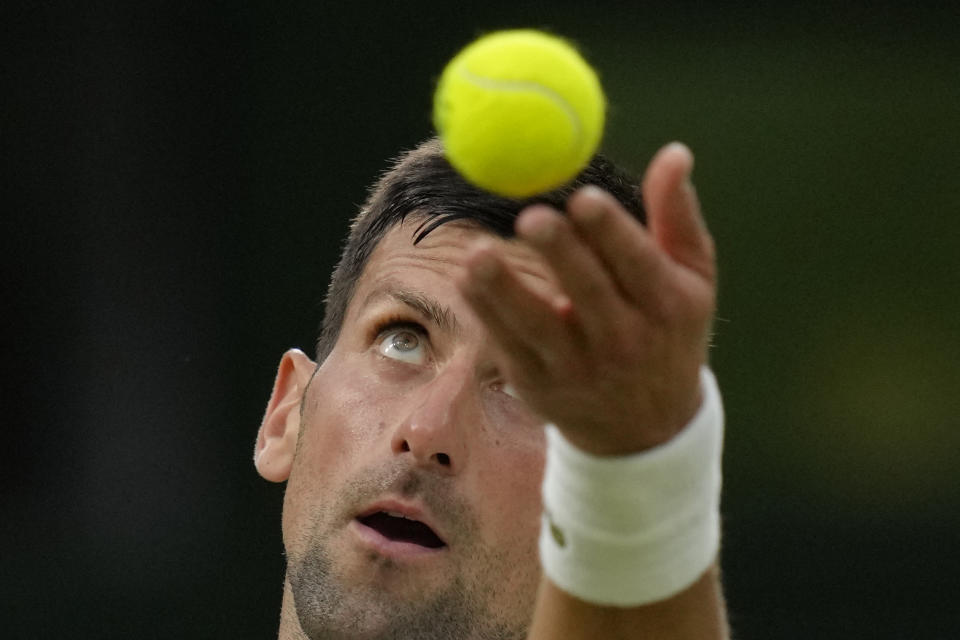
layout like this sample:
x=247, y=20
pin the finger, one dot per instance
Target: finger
x=583, y=276
x=631, y=255
x=673, y=210
x=527, y=327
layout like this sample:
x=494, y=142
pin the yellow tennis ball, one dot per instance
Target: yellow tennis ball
x=520, y=112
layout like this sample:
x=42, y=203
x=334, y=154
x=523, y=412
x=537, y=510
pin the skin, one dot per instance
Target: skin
x=589, y=321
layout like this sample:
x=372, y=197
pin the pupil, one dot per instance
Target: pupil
x=405, y=341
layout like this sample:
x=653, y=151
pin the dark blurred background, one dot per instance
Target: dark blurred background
x=178, y=178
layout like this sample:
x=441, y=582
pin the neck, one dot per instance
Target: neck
x=289, y=623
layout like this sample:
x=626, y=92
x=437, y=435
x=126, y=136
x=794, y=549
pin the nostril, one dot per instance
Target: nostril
x=405, y=446
x=443, y=459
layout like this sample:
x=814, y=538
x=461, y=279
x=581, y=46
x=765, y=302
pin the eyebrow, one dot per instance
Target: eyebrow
x=423, y=304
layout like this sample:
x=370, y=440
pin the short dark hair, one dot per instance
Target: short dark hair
x=422, y=183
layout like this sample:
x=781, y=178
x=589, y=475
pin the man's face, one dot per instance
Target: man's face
x=412, y=508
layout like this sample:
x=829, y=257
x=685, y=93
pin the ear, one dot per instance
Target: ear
x=277, y=439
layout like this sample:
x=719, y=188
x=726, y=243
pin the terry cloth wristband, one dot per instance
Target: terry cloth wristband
x=630, y=530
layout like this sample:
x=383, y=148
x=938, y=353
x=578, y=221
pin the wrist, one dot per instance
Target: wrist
x=634, y=529
x=655, y=431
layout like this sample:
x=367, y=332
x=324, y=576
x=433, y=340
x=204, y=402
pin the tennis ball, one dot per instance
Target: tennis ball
x=520, y=112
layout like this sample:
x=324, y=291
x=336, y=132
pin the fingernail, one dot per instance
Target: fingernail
x=679, y=147
x=590, y=208
x=592, y=191
x=539, y=226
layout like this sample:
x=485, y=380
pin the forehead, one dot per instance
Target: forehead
x=439, y=258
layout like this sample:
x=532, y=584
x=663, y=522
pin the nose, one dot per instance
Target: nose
x=433, y=431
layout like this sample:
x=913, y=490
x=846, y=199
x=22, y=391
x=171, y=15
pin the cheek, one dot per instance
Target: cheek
x=509, y=485
x=508, y=460
x=344, y=418
x=345, y=414
x=515, y=458
x=511, y=508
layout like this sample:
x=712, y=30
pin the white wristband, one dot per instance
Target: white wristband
x=630, y=530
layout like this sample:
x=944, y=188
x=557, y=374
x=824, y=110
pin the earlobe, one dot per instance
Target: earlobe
x=277, y=439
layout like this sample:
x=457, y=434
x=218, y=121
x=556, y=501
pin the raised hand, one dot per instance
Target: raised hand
x=612, y=356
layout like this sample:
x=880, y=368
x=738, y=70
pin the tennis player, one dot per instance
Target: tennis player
x=509, y=429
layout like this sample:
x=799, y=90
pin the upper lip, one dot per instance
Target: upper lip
x=412, y=511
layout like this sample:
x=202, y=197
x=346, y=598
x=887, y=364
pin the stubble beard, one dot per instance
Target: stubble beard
x=329, y=608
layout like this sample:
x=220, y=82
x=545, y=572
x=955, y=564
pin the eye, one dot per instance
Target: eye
x=404, y=344
x=507, y=388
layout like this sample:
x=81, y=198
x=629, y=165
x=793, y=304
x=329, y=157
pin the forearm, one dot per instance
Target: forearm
x=698, y=612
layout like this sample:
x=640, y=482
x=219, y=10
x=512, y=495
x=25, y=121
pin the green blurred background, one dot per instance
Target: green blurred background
x=180, y=179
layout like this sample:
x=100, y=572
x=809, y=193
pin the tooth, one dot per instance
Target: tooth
x=396, y=514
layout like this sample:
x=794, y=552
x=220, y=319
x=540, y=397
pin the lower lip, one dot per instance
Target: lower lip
x=391, y=548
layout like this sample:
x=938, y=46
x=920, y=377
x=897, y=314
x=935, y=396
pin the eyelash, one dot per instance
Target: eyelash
x=393, y=323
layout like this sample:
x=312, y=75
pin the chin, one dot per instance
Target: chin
x=398, y=608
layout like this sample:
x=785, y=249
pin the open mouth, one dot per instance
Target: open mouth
x=398, y=528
